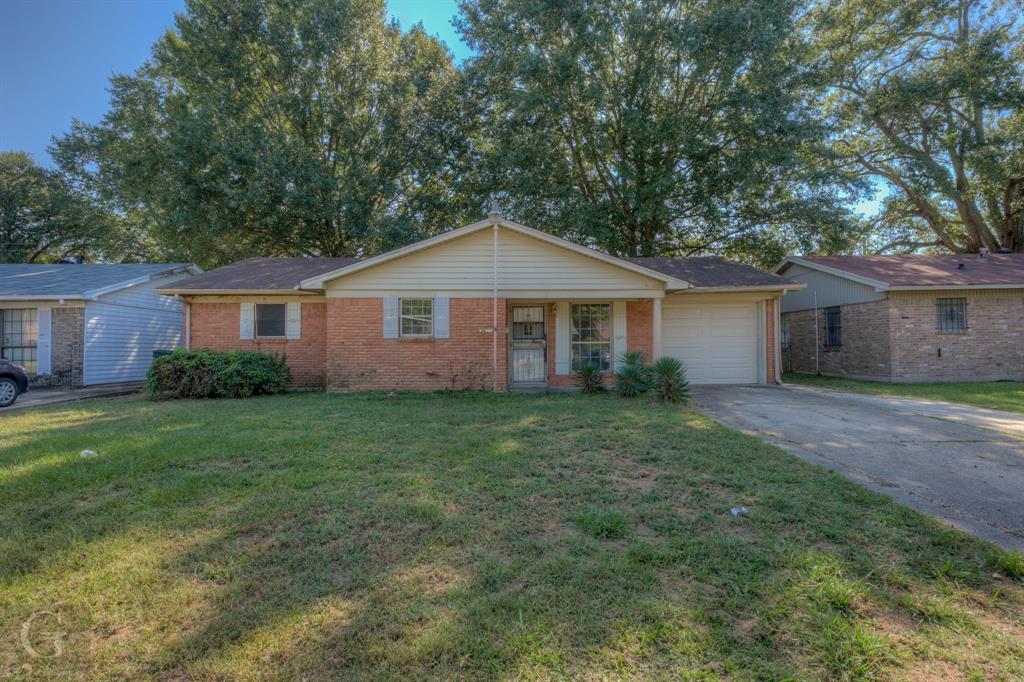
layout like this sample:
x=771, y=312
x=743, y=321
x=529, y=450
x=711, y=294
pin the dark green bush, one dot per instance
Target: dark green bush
x=634, y=376
x=669, y=380
x=216, y=374
x=589, y=377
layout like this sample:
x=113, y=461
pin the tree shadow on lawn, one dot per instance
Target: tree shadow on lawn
x=440, y=536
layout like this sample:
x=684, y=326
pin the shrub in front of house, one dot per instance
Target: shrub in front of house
x=589, y=377
x=216, y=374
x=668, y=379
x=634, y=376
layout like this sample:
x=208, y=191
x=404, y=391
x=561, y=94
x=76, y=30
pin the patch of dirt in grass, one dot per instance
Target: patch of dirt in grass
x=225, y=464
x=633, y=477
x=431, y=578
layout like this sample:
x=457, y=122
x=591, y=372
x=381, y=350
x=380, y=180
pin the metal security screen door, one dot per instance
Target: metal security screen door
x=529, y=346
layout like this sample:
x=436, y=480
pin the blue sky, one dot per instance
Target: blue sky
x=56, y=57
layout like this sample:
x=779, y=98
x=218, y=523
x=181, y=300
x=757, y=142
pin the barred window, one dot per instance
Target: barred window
x=952, y=314
x=19, y=336
x=833, y=327
x=784, y=331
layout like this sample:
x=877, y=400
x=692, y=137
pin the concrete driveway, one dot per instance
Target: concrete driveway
x=962, y=464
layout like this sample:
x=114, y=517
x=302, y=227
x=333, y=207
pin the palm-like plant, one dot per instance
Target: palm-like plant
x=634, y=376
x=669, y=380
x=589, y=377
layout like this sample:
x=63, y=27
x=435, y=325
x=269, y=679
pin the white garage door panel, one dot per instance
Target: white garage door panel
x=717, y=341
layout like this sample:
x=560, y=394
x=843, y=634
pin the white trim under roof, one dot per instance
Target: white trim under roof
x=795, y=260
x=171, y=291
x=319, y=282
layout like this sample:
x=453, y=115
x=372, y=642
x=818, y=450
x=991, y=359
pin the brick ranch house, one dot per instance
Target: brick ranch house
x=493, y=305
x=906, y=318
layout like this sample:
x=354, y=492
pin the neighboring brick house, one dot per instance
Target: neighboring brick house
x=906, y=318
x=73, y=325
x=494, y=305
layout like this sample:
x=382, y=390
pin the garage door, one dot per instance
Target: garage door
x=717, y=341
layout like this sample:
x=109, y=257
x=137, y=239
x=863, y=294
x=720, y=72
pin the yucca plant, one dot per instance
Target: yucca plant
x=589, y=377
x=633, y=376
x=669, y=380
x=631, y=380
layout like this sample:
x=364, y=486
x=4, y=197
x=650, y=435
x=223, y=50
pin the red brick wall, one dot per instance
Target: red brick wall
x=216, y=326
x=640, y=327
x=991, y=348
x=359, y=357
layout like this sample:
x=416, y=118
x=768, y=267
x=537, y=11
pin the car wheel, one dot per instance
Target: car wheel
x=8, y=392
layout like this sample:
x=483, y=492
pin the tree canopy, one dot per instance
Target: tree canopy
x=43, y=219
x=927, y=97
x=640, y=127
x=281, y=128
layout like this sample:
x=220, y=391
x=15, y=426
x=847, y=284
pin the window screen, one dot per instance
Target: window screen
x=952, y=314
x=270, y=319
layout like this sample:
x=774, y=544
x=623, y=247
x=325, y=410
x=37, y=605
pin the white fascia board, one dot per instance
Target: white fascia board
x=93, y=294
x=956, y=287
x=877, y=284
x=319, y=281
x=763, y=287
x=170, y=291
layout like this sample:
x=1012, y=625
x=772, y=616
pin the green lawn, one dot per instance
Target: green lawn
x=996, y=395
x=469, y=536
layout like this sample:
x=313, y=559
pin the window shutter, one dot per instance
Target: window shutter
x=441, y=317
x=247, y=320
x=293, y=320
x=619, y=335
x=390, y=317
x=562, y=354
x=43, y=341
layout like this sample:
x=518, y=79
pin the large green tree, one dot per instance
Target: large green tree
x=649, y=127
x=281, y=127
x=43, y=218
x=926, y=98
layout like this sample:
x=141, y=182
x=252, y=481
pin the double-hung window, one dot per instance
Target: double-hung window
x=952, y=313
x=19, y=336
x=417, y=317
x=270, y=319
x=591, y=335
x=833, y=327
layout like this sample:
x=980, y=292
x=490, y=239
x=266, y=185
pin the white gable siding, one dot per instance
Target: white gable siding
x=123, y=328
x=831, y=290
x=464, y=267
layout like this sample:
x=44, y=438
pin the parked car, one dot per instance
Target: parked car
x=13, y=382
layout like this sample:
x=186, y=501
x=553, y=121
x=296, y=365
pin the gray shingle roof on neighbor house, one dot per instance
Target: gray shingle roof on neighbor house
x=940, y=270
x=712, y=272
x=23, y=281
x=285, y=274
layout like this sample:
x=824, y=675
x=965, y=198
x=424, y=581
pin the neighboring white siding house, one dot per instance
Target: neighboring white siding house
x=123, y=328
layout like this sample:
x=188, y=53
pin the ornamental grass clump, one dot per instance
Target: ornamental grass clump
x=669, y=380
x=589, y=377
x=634, y=376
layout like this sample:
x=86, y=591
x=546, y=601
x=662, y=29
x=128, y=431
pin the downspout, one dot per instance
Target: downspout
x=494, y=312
x=188, y=325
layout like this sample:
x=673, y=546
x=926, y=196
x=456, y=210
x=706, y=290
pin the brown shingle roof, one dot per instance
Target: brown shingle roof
x=284, y=274
x=262, y=274
x=712, y=272
x=954, y=270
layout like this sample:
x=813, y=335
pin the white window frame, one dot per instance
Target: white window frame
x=403, y=316
x=256, y=321
x=611, y=334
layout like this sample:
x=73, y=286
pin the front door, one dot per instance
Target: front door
x=528, y=354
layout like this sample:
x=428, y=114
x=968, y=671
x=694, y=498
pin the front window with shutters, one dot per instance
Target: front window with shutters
x=271, y=319
x=591, y=335
x=417, y=316
x=19, y=336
